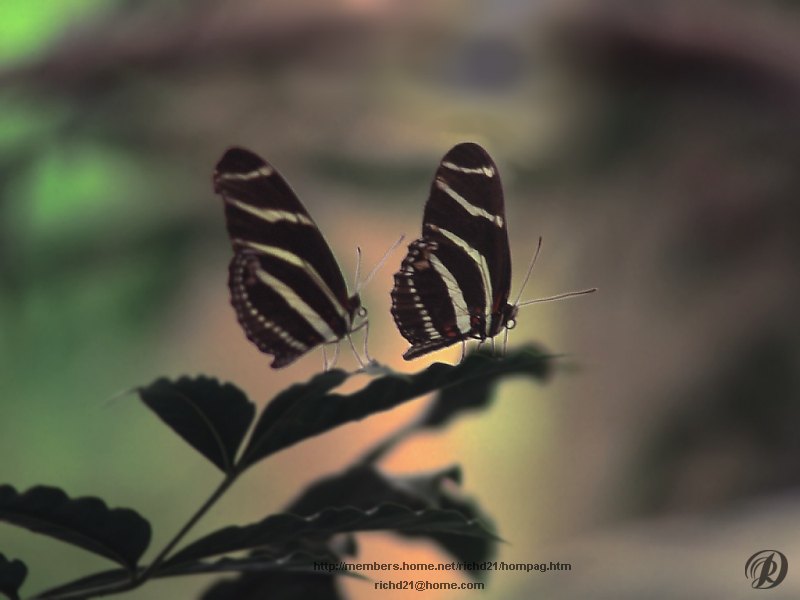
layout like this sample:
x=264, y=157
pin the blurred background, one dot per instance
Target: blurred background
x=653, y=145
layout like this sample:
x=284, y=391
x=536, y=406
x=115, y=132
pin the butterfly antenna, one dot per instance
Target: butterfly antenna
x=358, y=266
x=374, y=270
x=530, y=270
x=559, y=297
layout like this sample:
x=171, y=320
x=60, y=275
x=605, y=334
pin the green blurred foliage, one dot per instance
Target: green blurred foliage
x=27, y=28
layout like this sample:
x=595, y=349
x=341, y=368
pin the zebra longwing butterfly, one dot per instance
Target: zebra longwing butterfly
x=288, y=292
x=454, y=283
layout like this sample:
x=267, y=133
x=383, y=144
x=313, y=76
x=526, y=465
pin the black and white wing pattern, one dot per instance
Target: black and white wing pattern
x=286, y=287
x=454, y=283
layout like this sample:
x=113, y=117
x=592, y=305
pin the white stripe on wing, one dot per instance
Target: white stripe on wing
x=483, y=268
x=295, y=260
x=476, y=211
x=270, y=215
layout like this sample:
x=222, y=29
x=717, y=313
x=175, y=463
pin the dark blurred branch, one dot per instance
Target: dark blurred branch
x=745, y=43
x=211, y=32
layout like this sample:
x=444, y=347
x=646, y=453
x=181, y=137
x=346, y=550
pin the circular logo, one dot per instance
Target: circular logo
x=766, y=569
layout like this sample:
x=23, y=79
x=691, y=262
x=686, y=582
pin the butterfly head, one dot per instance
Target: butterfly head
x=509, y=316
x=356, y=310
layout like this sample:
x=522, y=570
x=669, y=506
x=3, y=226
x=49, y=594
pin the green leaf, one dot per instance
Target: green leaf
x=477, y=394
x=283, y=421
x=463, y=549
x=276, y=586
x=212, y=417
x=364, y=486
x=12, y=574
x=260, y=562
x=293, y=557
x=82, y=588
x=119, y=534
x=306, y=410
x=282, y=528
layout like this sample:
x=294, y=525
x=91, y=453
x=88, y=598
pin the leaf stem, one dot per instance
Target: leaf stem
x=145, y=573
x=211, y=501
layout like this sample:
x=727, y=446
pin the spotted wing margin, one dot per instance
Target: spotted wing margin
x=455, y=279
x=286, y=287
x=421, y=305
x=267, y=319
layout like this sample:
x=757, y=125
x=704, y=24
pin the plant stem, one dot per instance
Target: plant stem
x=223, y=487
x=144, y=573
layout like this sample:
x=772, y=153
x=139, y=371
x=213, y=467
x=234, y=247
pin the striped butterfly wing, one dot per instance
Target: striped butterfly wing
x=286, y=287
x=454, y=282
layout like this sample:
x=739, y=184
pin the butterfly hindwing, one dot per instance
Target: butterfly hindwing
x=454, y=282
x=418, y=305
x=282, y=334
x=286, y=287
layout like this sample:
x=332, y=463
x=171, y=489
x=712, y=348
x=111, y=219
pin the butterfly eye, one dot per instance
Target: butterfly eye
x=510, y=324
x=362, y=312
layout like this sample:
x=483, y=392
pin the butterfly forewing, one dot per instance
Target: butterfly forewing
x=454, y=282
x=286, y=287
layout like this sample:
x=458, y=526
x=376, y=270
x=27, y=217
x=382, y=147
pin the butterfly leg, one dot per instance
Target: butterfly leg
x=353, y=348
x=494, y=348
x=324, y=358
x=365, y=327
x=505, y=341
x=335, y=355
x=463, y=350
x=366, y=342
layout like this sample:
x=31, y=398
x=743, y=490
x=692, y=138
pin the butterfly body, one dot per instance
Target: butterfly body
x=454, y=283
x=288, y=292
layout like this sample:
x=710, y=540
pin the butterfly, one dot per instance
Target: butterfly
x=454, y=283
x=286, y=287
